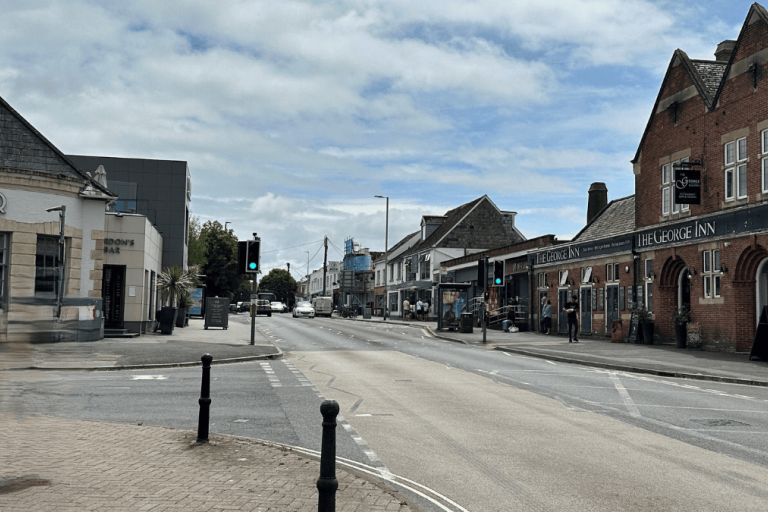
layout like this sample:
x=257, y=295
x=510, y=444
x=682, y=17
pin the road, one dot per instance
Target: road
x=488, y=430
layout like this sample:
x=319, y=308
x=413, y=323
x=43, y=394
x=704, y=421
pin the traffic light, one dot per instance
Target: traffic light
x=482, y=277
x=498, y=273
x=252, y=256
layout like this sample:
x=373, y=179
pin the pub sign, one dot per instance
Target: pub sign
x=687, y=186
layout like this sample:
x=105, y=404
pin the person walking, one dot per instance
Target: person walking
x=547, y=313
x=406, y=309
x=572, y=308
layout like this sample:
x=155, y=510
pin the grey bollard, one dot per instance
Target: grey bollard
x=205, y=400
x=327, y=483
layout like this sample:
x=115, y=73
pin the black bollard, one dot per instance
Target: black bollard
x=205, y=400
x=327, y=483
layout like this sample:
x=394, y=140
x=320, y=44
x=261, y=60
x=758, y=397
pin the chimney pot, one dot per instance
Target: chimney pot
x=724, y=50
x=598, y=199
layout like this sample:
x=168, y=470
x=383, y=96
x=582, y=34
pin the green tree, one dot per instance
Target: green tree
x=281, y=283
x=196, y=255
x=223, y=278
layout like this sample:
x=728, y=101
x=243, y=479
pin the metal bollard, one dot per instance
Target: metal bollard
x=327, y=483
x=205, y=400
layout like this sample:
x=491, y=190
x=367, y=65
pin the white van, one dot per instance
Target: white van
x=323, y=306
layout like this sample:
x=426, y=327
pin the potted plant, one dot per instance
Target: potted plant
x=695, y=341
x=171, y=282
x=182, y=316
x=681, y=318
x=646, y=324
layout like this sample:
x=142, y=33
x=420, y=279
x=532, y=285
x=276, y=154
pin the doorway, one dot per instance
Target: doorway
x=562, y=317
x=761, y=287
x=683, y=289
x=611, y=305
x=586, y=310
x=112, y=290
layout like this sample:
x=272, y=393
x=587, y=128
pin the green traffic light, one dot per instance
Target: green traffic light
x=252, y=265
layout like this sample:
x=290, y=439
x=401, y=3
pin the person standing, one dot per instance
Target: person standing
x=406, y=309
x=547, y=313
x=572, y=308
x=419, y=308
x=510, y=321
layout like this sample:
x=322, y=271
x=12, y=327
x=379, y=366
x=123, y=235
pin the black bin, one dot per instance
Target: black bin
x=466, y=323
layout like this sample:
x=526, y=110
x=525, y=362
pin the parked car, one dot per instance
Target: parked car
x=233, y=308
x=279, y=307
x=303, y=309
x=244, y=306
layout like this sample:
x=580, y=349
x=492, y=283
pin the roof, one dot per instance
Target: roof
x=19, y=144
x=711, y=73
x=452, y=217
x=617, y=218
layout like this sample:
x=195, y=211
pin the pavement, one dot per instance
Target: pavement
x=49, y=463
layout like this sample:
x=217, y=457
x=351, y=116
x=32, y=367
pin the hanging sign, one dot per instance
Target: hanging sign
x=687, y=186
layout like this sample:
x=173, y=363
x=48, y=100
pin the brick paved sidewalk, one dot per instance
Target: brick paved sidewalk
x=54, y=464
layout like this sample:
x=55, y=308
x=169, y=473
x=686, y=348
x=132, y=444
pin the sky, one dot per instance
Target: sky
x=293, y=115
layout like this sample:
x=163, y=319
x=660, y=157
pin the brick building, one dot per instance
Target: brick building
x=711, y=256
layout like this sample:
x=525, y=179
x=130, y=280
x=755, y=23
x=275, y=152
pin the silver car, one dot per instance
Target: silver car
x=303, y=309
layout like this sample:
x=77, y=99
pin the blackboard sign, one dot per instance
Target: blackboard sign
x=621, y=299
x=760, y=345
x=630, y=304
x=600, y=299
x=639, y=296
x=216, y=312
x=594, y=300
x=634, y=323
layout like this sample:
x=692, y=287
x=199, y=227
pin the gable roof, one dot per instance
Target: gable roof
x=617, y=218
x=14, y=145
x=452, y=219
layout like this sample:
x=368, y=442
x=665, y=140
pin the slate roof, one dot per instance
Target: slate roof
x=711, y=73
x=23, y=148
x=402, y=242
x=617, y=218
x=452, y=217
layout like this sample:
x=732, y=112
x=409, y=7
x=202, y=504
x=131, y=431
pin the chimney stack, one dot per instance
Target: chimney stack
x=598, y=199
x=724, y=50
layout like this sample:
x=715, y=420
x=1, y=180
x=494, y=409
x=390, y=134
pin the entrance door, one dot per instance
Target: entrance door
x=611, y=306
x=586, y=310
x=562, y=316
x=684, y=289
x=112, y=289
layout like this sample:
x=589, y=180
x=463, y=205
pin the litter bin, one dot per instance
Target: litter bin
x=466, y=323
x=367, y=313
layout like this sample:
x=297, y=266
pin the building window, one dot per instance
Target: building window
x=586, y=274
x=378, y=277
x=47, y=266
x=3, y=270
x=542, y=280
x=400, y=272
x=735, y=158
x=711, y=273
x=668, y=204
x=765, y=160
x=612, y=272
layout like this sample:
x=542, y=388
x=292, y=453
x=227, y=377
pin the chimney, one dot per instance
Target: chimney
x=724, y=50
x=598, y=198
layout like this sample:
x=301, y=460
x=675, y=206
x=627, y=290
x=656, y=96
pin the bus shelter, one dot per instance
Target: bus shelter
x=452, y=301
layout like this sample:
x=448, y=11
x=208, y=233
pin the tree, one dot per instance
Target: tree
x=196, y=254
x=223, y=278
x=281, y=283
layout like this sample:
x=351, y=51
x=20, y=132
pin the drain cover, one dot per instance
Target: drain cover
x=721, y=423
x=13, y=484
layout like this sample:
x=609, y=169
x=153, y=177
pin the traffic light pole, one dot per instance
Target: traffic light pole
x=484, y=308
x=253, y=311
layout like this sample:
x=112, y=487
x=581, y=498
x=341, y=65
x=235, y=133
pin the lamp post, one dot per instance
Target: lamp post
x=309, y=295
x=386, y=256
x=225, y=225
x=60, y=287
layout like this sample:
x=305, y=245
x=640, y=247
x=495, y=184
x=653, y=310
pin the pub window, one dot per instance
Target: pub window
x=586, y=274
x=735, y=159
x=668, y=204
x=542, y=279
x=765, y=160
x=4, y=270
x=47, y=266
x=562, y=277
x=648, y=268
x=711, y=273
x=612, y=272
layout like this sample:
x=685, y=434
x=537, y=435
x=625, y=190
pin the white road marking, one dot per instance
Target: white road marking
x=550, y=362
x=149, y=377
x=628, y=402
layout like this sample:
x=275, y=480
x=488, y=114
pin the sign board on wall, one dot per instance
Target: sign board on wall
x=687, y=186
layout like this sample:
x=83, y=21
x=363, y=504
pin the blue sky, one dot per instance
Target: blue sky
x=294, y=114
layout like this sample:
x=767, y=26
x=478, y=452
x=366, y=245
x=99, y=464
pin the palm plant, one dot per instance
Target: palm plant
x=173, y=282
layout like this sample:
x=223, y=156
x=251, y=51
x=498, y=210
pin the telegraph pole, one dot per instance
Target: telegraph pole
x=325, y=264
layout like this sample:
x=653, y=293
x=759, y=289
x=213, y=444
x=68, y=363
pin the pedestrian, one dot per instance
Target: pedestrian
x=510, y=321
x=425, y=309
x=548, y=317
x=419, y=306
x=406, y=309
x=572, y=308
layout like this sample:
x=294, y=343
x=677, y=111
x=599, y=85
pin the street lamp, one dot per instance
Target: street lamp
x=225, y=225
x=60, y=288
x=386, y=256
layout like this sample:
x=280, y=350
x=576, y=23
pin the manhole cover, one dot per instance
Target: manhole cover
x=721, y=423
x=13, y=484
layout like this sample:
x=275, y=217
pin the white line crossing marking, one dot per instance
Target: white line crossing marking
x=550, y=362
x=628, y=402
x=149, y=377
